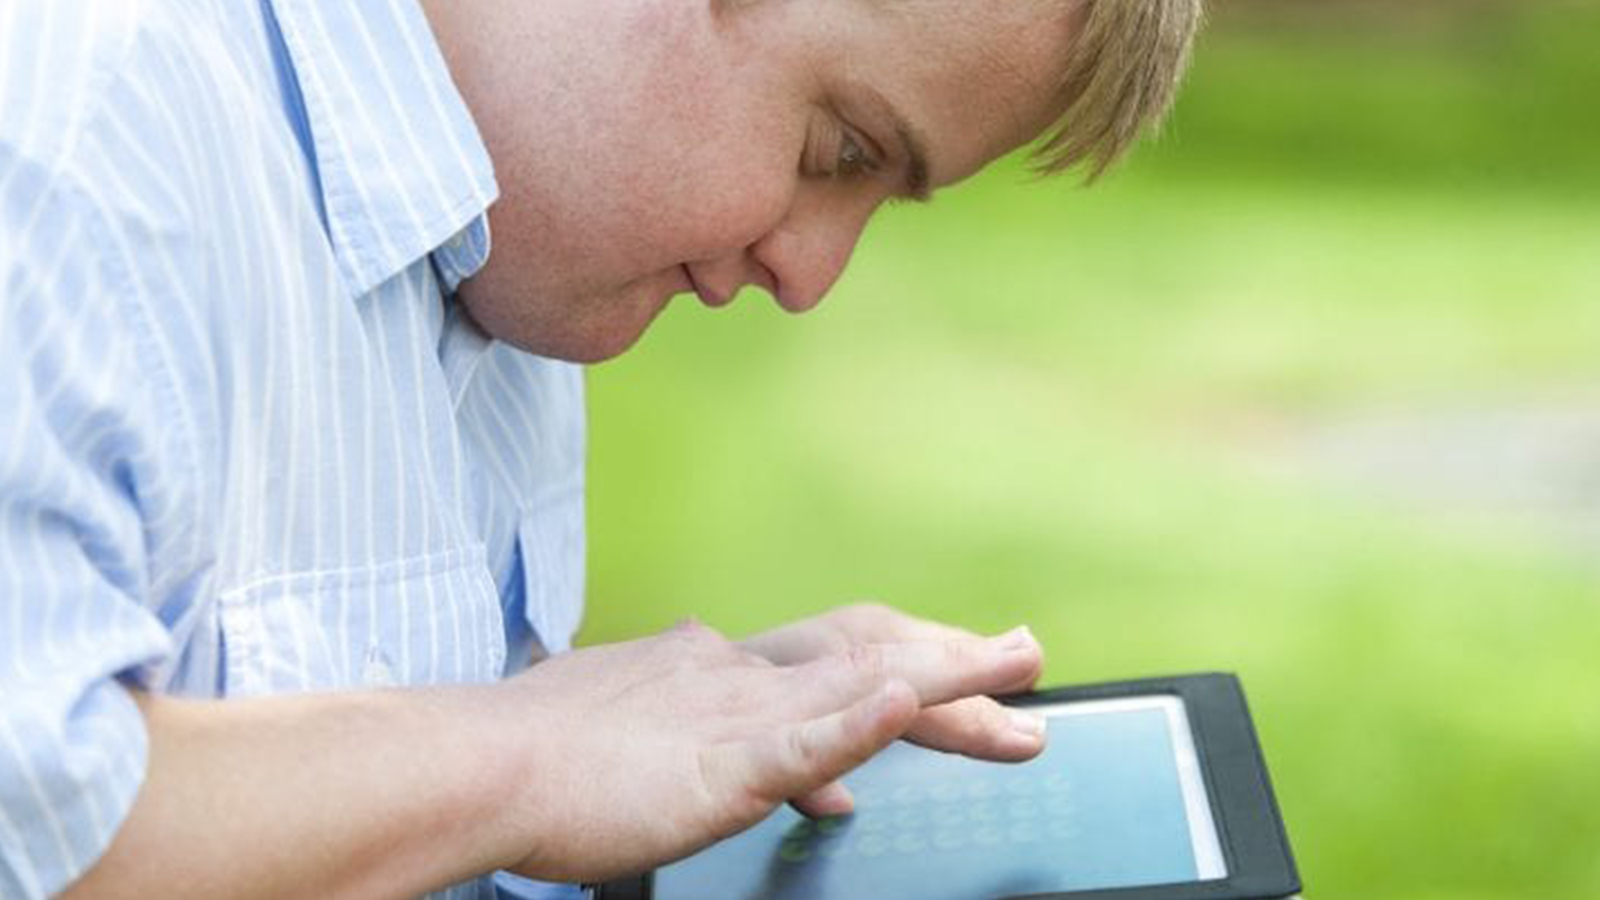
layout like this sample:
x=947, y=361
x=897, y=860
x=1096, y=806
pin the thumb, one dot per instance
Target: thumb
x=832, y=799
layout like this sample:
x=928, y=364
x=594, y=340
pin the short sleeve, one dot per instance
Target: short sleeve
x=78, y=436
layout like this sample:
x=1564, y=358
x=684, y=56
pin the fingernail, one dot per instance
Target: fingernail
x=1019, y=638
x=1027, y=723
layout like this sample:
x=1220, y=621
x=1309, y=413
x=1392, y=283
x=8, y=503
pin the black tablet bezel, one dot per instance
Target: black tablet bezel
x=1249, y=825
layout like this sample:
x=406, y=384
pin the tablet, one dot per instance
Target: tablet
x=1147, y=790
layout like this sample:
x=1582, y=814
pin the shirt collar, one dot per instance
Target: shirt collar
x=400, y=164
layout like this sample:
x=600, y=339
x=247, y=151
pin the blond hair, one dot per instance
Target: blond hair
x=1127, y=60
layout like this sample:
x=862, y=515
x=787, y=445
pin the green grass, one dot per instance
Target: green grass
x=1036, y=403
x=1453, y=93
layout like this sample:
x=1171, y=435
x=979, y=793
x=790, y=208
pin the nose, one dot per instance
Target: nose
x=799, y=259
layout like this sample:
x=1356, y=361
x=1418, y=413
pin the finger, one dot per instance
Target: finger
x=844, y=627
x=980, y=728
x=939, y=671
x=796, y=759
x=877, y=623
x=797, y=642
x=1030, y=677
x=832, y=799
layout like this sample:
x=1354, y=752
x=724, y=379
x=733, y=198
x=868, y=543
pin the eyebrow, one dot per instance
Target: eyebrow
x=912, y=142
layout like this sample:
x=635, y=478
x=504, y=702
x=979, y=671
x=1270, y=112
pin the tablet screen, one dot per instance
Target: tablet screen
x=1116, y=800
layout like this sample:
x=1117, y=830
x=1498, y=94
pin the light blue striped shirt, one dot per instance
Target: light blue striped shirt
x=248, y=443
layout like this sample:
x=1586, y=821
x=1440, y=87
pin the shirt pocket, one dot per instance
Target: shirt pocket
x=431, y=619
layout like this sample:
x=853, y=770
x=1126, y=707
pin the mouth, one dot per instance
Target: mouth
x=706, y=296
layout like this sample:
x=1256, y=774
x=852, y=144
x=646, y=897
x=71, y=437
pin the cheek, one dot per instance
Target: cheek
x=724, y=216
x=632, y=169
x=717, y=182
x=712, y=154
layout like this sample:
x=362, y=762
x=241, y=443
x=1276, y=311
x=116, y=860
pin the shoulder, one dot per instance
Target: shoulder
x=69, y=128
x=60, y=56
x=142, y=120
x=87, y=234
x=88, y=87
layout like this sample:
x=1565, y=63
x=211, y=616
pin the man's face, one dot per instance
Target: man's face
x=651, y=148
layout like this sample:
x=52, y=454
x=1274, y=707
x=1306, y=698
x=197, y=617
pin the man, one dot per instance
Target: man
x=288, y=504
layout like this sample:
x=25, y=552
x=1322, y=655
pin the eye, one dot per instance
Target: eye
x=836, y=150
x=854, y=156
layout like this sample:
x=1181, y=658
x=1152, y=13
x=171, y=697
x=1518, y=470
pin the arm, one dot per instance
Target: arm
x=594, y=764
x=376, y=793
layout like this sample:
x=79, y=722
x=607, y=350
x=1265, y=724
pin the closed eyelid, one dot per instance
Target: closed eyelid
x=912, y=146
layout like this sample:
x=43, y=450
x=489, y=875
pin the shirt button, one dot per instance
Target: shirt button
x=376, y=672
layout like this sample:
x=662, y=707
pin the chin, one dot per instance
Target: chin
x=573, y=337
x=576, y=348
x=586, y=349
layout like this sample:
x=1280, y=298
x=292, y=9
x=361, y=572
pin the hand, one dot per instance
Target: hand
x=645, y=751
x=973, y=726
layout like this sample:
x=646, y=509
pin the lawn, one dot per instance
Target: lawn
x=1038, y=403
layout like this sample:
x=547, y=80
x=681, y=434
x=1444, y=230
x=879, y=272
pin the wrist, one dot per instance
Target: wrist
x=480, y=816
x=440, y=762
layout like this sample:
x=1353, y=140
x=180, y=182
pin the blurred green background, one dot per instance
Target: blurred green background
x=1309, y=390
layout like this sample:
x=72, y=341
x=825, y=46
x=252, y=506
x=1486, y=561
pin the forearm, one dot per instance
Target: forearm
x=606, y=760
x=379, y=793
